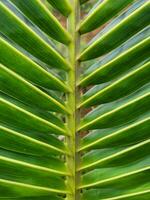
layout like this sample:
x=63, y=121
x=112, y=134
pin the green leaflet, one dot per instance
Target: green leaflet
x=115, y=156
x=119, y=34
x=36, y=198
x=128, y=134
x=121, y=87
x=102, y=13
x=13, y=115
x=48, y=165
x=65, y=7
x=28, y=69
x=126, y=60
x=131, y=45
x=11, y=25
x=42, y=17
x=18, y=185
x=21, y=89
x=110, y=175
x=141, y=192
x=12, y=189
x=117, y=113
x=30, y=143
x=20, y=176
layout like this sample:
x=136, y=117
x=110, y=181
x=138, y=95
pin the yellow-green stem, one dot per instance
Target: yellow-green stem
x=72, y=99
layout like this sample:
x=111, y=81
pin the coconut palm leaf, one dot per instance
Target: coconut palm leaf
x=71, y=129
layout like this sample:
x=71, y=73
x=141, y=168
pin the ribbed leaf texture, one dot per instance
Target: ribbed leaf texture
x=71, y=129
